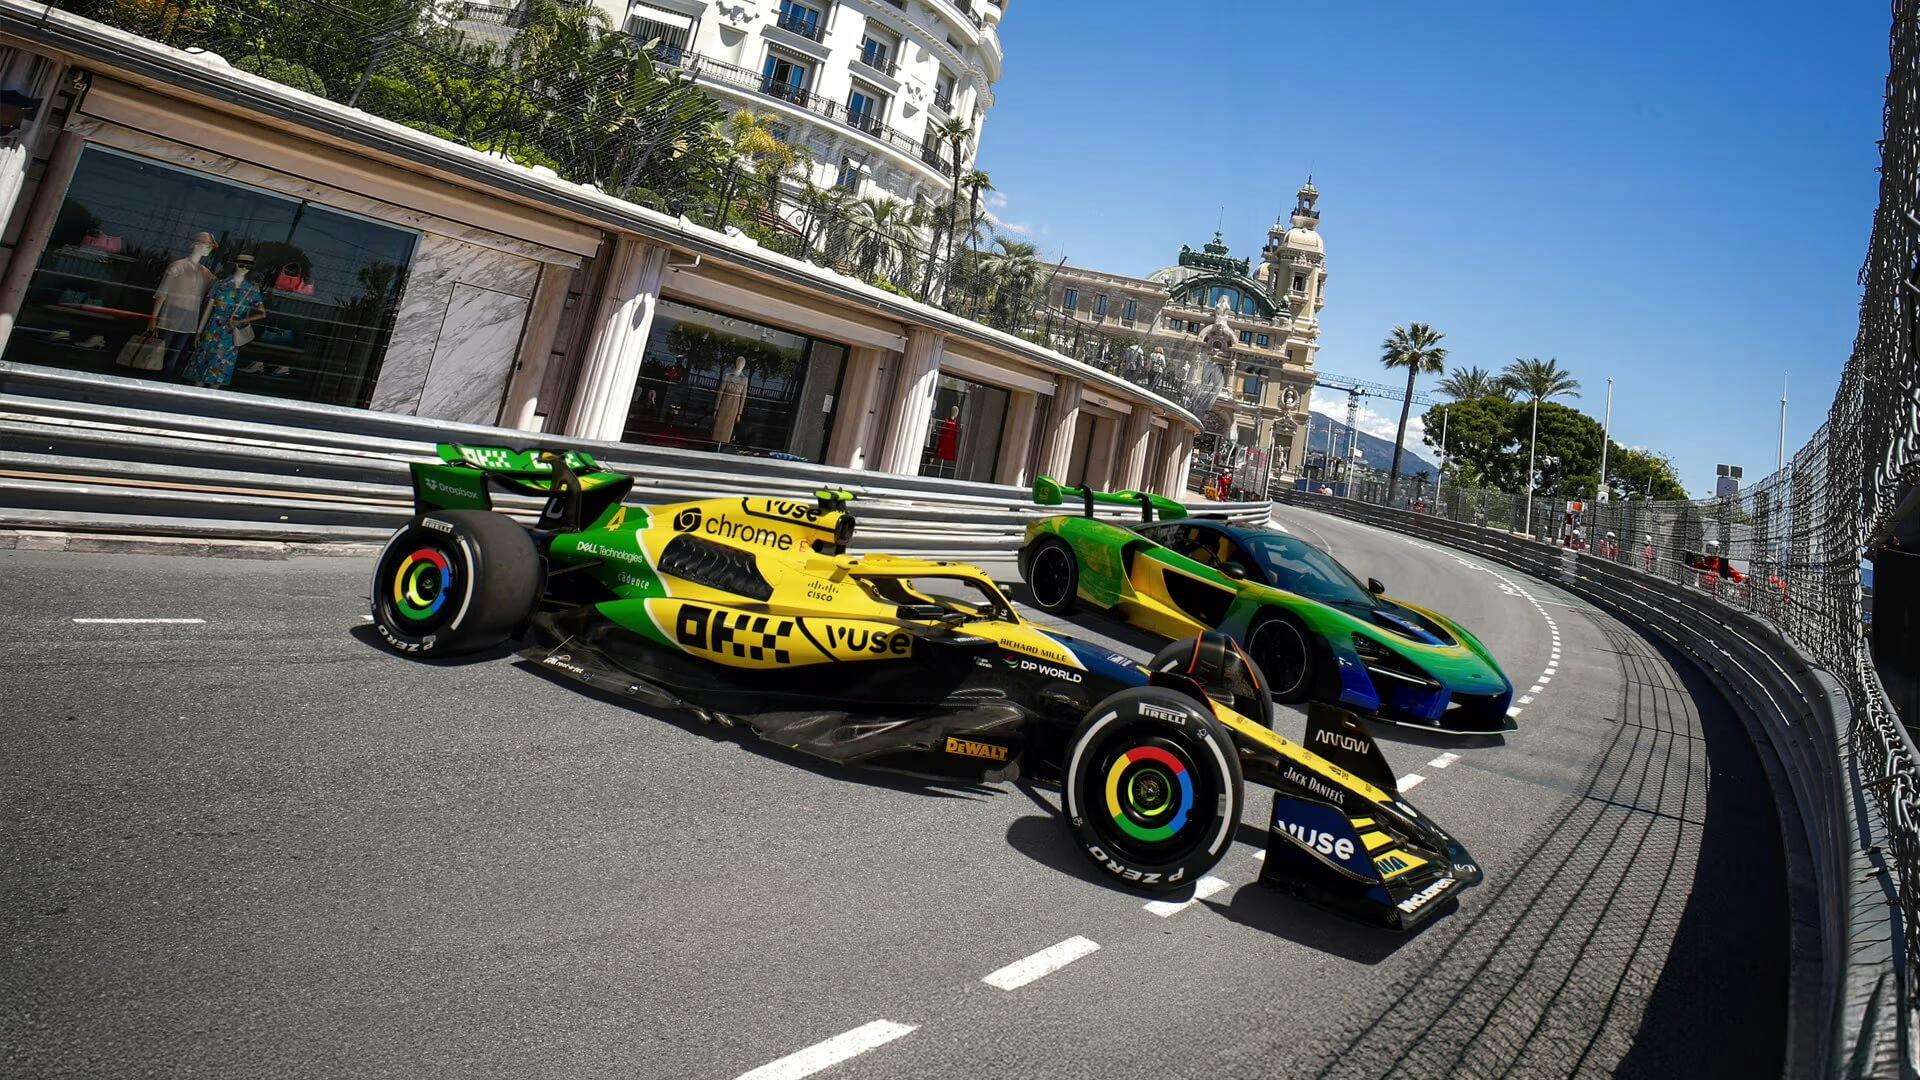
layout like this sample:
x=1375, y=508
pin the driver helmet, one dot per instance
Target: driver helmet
x=1609, y=535
x=1713, y=543
x=1647, y=539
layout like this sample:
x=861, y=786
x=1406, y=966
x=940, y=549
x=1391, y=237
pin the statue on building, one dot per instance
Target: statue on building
x=1219, y=337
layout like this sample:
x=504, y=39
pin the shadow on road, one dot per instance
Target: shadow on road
x=1274, y=911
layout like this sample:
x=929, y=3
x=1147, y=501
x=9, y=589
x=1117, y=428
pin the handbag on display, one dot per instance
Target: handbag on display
x=277, y=335
x=289, y=279
x=242, y=336
x=100, y=241
x=144, y=351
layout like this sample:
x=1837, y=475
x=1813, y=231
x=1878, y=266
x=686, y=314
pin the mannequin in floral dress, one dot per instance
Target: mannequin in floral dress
x=232, y=303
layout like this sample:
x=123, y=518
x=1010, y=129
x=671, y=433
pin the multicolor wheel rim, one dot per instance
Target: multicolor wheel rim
x=421, y=583
x=1149, y=794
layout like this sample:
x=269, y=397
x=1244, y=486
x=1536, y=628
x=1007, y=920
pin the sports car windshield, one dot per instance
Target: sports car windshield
x=1300, y=568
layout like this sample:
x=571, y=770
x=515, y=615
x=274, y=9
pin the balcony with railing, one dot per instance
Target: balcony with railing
x=878, y=60
x=943, y=97
x=866, y=121
x=793, y=22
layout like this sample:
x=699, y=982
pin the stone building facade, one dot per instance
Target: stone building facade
x=1265, y=379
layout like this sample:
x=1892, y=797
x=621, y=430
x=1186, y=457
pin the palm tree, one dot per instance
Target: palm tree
x=1013, y=269
x=1417, y=348
x=1538, y=381
x=955, y=133
x=752, y=145
x=885, y=230
x=1465, y=384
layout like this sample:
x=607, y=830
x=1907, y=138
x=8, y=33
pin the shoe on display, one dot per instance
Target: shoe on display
x=281, y=369
x=97, y=341
x=254, y=368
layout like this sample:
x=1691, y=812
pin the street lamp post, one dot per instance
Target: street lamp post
x=1606, y=437
x=1533, y=444
x=1440, y=476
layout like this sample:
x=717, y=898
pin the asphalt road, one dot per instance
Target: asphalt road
x=259, y=845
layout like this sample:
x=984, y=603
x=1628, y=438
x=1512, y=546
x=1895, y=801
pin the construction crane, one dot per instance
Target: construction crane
x=1355, y=389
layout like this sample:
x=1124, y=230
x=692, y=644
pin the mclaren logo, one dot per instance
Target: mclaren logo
x=1341, y=741
x=564, y=662
x=687, y=520
x=969, y=748
x=1425, y=896
x=1325, y=843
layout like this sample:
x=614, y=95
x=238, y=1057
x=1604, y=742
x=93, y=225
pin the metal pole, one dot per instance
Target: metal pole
x=1533, y=444
x=1441, y=475
x=1781, y=461
x=1353, y=419
x=1606, y=437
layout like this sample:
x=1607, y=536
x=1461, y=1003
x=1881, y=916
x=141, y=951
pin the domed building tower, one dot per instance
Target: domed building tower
x=1294, y=269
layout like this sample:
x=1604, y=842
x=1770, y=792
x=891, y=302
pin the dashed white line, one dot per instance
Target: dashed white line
x=141, y=622
x=824, y=1055
x=1040, y=964
x=1202, y=889
x=1513, y=710
x=1411, y=780
x=1444, y=760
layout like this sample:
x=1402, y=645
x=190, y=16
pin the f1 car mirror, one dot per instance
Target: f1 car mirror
x=1374, y=586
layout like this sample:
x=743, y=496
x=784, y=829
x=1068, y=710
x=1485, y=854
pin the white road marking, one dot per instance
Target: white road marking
x=141, y=622
x=1041, y=964
x=1527, y=699
x=1513, y=710
x=1202, y=889
x=1410, y=781
x=1444, y=760
x=1261, y=854
x=1552, y=668
x=1536, y=688
x=366, y=618
x=824, y=1055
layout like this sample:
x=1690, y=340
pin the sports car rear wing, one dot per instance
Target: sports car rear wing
x=1050, y=492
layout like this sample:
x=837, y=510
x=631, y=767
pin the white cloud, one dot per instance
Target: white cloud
x=1383, y=426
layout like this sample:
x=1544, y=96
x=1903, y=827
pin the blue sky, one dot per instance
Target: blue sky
x=1677, y=195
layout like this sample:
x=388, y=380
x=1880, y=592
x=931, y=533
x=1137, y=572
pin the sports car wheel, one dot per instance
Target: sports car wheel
x=1280, y=645
x=1053, y=576
x=454, y=581
x=1153, y=788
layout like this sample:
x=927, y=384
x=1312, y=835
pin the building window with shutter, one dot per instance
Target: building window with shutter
x=1072, y=301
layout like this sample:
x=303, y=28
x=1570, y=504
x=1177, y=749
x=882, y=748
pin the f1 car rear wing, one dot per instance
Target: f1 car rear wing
x=578, y=491
x=1050, y=492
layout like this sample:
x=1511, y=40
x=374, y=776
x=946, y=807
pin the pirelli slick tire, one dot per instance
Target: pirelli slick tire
x=1053, y=575
x=1153, y=790
x=1287, y=655
x=1222, y=670
x=454, y=581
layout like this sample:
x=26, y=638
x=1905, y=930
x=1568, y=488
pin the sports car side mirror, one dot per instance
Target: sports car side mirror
x=1374, y=586
x=1234, y=570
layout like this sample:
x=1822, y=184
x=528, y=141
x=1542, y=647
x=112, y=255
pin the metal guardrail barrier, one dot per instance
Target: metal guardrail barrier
x=1841, y=1002
x=99, y=453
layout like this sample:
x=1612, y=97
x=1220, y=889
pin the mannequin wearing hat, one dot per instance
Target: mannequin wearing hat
x=233, y=306
x=179, y=299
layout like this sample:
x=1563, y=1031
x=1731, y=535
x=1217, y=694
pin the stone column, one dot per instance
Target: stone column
x=912, y=405
x=1102, y=454
x=1016, y=439
x=1133, y=450
x=857, y=414
x=1183, y=462
x=1056, y=443
x=37, y=227
x=623, y=319
x=35, y=76
x=524, y=406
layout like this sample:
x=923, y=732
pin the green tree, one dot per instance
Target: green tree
x=883, y=233
x=1471, y=382
x=954, y=132
x=1641, y=474
x=1012, y=272
x=1480, y=447
x=1417, y=348
x=1536, y=382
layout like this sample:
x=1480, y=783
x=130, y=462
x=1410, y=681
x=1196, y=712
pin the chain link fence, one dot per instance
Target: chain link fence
x=1792, y=547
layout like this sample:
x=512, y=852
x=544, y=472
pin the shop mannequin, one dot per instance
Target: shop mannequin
x=947, y=443
x=733, y=396
x=232, y=303
x=179, y=300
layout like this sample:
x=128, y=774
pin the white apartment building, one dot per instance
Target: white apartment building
x=860, y=84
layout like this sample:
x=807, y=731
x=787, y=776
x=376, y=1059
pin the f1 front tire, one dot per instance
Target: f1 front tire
x=1153, y=789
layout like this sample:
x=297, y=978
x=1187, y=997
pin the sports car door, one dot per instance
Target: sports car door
x=1177, y=591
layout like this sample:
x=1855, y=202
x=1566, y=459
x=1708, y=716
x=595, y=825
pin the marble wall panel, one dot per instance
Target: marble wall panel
x=441, y=263
x=473, y=358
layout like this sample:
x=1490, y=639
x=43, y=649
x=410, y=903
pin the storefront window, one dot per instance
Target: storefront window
x=963, y=440
x=138, y=244
x=720, y=382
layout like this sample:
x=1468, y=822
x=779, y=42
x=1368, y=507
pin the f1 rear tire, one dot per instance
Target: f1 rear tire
x=1053, y=575
x=1153, y=789
x=454, y=581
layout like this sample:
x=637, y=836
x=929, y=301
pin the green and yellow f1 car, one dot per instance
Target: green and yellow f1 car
x=1314, y=630
x=749, y=612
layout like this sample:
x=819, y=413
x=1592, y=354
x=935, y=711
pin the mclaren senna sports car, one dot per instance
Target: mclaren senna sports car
x=749, y=612
x=1312, y=628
